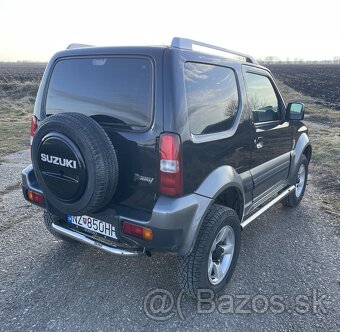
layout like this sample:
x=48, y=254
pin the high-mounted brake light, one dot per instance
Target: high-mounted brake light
x=171, y=177
x=34, y=127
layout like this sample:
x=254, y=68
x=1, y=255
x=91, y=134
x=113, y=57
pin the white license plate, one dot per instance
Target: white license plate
x=94, y=225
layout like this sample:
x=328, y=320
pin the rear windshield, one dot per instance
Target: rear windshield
x=117, y=90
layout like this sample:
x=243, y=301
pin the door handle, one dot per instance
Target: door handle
x=259, y=142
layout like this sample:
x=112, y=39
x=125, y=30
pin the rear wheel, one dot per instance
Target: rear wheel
x=301, y=174
x=213, y=258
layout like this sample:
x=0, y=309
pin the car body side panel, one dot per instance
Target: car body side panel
x=272, y=143
x=202, y=154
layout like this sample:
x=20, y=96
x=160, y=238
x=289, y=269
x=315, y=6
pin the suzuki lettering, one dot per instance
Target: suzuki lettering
x=58, y=161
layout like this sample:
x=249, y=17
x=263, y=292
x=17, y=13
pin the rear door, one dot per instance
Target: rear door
x=119, y=92
x=270, y=157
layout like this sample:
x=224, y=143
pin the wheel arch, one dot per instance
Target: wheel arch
x=302, y=147
x=231, y=197
x=224, y=186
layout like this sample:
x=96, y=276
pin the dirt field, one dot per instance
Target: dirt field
x=21, y=71
x=319, y=81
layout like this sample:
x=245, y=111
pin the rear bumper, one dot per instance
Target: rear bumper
x=174, y=221
x=94, y=243
x=29, y=181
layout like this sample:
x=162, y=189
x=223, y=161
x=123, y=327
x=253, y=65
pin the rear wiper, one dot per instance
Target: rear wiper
x=125, y=125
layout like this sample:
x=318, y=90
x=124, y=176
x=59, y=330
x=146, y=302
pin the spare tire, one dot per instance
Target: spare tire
x=75, y=163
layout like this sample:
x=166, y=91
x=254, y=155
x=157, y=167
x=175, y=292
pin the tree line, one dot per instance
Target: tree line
x=276, y=60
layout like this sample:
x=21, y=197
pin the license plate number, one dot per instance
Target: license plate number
x=94, y=225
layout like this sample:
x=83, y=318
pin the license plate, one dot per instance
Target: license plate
x=93, y=225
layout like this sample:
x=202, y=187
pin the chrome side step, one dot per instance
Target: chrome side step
x=84, y=239
x=267, y=206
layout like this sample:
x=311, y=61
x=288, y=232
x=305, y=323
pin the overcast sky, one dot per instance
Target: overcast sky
x=36, y=29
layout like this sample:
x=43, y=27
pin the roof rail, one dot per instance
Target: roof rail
x=184, y=43
x=75, y=45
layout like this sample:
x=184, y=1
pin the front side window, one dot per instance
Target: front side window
x=262, y=98
x=212, y=97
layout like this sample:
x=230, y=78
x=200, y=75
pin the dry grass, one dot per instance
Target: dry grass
x=19, y=84
x=324, y=133
x=16, y=108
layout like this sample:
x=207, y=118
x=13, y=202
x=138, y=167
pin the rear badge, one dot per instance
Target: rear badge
x=143, y=178
x=58, y=161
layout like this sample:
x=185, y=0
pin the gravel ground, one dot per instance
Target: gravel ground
x=288, y=276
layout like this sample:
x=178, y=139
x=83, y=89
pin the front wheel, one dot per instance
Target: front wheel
x=213, y=258
x=300, y=178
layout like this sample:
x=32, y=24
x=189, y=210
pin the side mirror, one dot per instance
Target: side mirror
x=295, y=111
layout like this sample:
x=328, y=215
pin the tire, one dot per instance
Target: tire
x=300, y=180
x=75, y=163
x=49, y=218
x=193, y=268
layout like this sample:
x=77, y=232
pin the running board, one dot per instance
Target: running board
x=267, y=206
x=84, y=239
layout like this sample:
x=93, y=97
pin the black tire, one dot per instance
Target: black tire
x=84, y=140
x=193, y=269
x=49, y=218
x=293, y=199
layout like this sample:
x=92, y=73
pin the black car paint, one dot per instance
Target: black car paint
x=199, y=159
x=138, y=151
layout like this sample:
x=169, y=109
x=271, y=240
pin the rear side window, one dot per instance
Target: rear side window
x=117, y=90
x=212, y=97
x=262, y=98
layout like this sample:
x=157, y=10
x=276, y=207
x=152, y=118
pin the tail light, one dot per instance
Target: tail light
x=35, y=197
x=138, y=231
x=34, y=127
x=171, y=177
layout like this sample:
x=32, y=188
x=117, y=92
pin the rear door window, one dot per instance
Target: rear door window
x=118, y=90
x=212, y=97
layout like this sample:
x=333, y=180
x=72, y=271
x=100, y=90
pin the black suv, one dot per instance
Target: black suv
x=173, y=149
